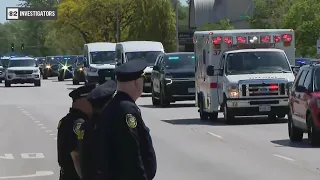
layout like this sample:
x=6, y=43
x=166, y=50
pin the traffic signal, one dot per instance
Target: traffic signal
x=22, y=46
x=12, y=47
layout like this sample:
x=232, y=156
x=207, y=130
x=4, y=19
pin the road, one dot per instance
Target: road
x=186, y=148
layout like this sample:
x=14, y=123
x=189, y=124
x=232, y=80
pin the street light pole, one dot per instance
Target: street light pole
x=177, y=23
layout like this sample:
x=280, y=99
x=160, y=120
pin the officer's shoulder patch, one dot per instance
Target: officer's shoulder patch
x=59, y=124
x=131, y=121
x=78, y=131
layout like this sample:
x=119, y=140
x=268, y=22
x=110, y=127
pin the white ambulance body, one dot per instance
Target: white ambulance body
x=243, y=72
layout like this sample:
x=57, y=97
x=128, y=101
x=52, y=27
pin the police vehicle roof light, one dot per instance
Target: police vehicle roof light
x=241, y=40
x=265, y=39
x=228, y=40
x=217, y=40
x=276, y=38
x=287, y=38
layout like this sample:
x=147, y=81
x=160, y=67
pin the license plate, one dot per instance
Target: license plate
x=264, y=108
x=107, y=78
x=147, y=84
x=191, y=90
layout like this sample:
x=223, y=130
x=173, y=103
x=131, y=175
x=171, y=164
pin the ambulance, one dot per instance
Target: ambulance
x=243, y=72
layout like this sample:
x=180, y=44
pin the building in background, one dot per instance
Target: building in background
x=202, y=12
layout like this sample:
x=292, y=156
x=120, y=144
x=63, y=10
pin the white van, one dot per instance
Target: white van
x=131, y=50
x=99, y=62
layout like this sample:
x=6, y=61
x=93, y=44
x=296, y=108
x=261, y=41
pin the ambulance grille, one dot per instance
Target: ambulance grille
x=270, y=89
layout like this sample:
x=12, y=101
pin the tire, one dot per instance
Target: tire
x=37, y=83
x=7, y=84
x=228, y=117
x=204, y=116
x=45, y=76
x=313, y=135
x=75, y=82
x=163, y=100
x=213, y=116
x=295, y=134
x=155, y=101
x=60, y=77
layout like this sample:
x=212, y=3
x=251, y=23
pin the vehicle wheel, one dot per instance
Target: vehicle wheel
x=313, y=135
x=295, y=134
x=163, y=100
x=60, y=78
x=213, y=116
x=227, y=115
x=37, y=83
x=45, y=76
x=75, y=82
x=155, y=101
x=7, y=84
x=203, y=115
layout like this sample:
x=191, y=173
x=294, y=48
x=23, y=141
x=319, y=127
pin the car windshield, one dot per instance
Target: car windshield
x=22, y=63
x=180, y=61
x=68, y=60
x=149, y=56
x=103, y=57
x=257, y=63
x=5, y=62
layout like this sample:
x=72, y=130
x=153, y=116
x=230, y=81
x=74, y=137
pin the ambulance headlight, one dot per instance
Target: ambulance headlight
x=91, y=69
x=233, y=91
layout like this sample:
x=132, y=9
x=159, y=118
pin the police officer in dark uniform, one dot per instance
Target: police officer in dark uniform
x=69, y=132
x=125, y=147
x=98, y=97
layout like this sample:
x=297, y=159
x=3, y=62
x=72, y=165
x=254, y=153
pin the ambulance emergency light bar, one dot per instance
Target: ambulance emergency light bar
x=264, y=39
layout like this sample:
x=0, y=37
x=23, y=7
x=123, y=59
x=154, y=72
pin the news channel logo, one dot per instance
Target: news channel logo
x=19, y=13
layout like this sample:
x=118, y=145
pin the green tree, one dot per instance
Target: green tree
x=304, y=18
x=269, y=13
x=155, y=21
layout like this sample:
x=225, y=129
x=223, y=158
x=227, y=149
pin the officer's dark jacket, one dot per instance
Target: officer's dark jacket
x=88, y=148
x=125, y=147
x=68, y=142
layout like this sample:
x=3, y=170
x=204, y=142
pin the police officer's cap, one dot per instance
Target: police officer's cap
x=102, y=94
x=131, y=70
x=81, y=92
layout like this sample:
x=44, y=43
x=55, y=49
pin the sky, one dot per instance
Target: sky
x=14, y=3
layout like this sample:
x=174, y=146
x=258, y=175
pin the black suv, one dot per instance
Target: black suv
x=65, y=68
x=78, y=71
x=173, y=78
x=50, y=67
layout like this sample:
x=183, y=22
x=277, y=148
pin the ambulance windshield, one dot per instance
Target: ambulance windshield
x=258, y=62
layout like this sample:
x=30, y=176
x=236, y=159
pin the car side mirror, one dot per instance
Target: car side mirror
x=210, y=70
x=301, y=89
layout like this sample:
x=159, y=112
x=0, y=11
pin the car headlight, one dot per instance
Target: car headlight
x=48, y=66
x=36, y=71
x=233, y=91
x=80, y=69
x=10, y=71
x=91, y=69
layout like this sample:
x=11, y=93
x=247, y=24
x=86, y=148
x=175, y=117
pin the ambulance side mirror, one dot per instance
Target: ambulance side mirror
x=210, y=70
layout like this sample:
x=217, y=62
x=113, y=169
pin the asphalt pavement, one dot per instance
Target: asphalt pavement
x=187, y=149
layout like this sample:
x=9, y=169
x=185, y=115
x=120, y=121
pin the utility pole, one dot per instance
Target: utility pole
x=118, y=21
x=177, y=23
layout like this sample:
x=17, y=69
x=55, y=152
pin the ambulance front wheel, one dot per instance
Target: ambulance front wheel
x=203, y=115
x=228, y=116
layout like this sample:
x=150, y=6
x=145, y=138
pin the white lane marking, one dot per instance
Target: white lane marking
x=40, y=124
x=283, y=157
x=43, y=127
x=48, y=130
x=52, y=134
x=215, y=135
x=37, y=174
x=37, y=121
x=7, y=156
x=32, y=155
